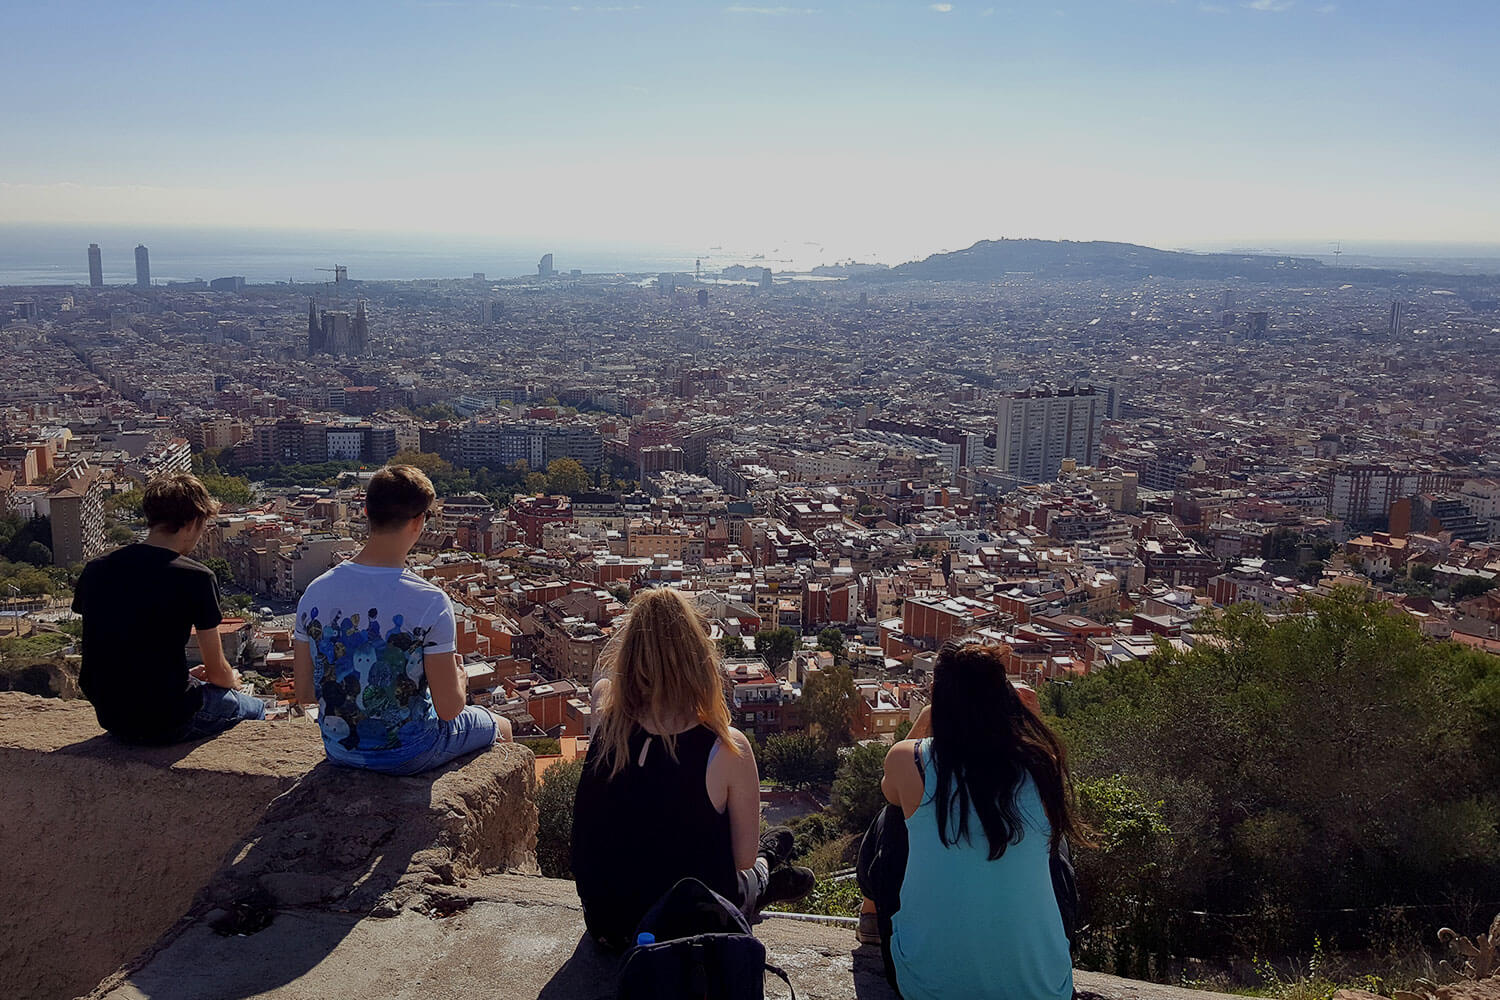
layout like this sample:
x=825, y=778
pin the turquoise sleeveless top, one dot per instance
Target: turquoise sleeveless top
x=972, y=927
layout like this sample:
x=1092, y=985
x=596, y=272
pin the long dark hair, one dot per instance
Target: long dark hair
x=984, y=739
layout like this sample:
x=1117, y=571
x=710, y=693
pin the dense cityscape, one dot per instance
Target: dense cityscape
x=1070, y=468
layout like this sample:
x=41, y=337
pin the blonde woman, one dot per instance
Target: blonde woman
x=669, y=790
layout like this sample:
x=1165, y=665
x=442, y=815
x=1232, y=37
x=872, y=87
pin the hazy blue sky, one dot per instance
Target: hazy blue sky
x=899, y=126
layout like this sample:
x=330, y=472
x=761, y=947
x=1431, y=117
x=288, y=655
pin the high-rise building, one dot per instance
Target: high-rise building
x=96, y=267
x=1036, y=429
x=1398, y=317
x=77, y=505
x=544, y=268
x=1259, y=323
x=142, y=267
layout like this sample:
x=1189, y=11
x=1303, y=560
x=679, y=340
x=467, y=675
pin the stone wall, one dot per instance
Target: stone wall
x=109, y=852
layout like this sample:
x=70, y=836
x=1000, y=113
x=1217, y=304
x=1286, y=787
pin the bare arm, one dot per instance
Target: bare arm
x=447, y=683
x=302, y=673
x=902, y=783
x=216, y=669
x=734, y=784
x=922, y=728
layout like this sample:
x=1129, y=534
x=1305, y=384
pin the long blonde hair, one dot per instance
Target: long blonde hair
x=661, y=666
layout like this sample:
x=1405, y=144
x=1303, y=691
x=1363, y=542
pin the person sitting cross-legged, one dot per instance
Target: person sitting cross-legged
x=140, y=604
x=374, y=646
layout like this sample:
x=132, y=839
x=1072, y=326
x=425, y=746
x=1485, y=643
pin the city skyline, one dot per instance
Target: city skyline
x=898, y=130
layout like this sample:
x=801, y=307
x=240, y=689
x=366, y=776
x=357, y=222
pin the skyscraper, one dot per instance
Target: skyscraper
x=96, y=267
x=142, y=267
x=1398, y=317
x=1036, y=429
x=544, y=267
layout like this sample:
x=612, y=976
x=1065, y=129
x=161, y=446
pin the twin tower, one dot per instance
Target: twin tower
x=142, y=267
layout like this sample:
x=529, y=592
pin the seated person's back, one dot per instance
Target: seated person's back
x=669, y=791
x=140, y=604
x=370, y=629
x=374, y=646
x=638, y=833
x=985, y=799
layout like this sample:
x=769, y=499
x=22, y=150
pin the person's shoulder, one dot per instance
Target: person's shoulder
x=322, y=582
x=738, y=741
x=187, y=564
x=903, y=754
x=418, y=583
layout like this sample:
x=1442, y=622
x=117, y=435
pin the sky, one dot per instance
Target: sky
x=889, y=128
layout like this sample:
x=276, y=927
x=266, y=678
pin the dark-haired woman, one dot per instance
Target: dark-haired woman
x=984, y=800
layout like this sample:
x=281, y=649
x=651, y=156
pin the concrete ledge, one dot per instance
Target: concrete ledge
x=110, y=845
x=105, y=845
x=514, y=936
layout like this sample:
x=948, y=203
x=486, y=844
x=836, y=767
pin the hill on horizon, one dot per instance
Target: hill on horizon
x=989, y=260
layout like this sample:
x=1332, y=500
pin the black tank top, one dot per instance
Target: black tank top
x=637, y=834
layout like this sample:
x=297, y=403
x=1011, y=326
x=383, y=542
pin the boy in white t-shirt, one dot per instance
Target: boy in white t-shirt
x=374, y=647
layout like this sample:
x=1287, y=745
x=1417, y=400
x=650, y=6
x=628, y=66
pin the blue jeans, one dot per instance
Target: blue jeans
x=473, y=729
x=222, y=708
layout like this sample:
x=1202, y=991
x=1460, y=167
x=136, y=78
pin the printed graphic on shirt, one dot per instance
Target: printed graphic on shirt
x=372, y=691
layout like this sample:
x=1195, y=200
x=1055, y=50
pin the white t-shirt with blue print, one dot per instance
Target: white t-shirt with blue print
x=368, y=628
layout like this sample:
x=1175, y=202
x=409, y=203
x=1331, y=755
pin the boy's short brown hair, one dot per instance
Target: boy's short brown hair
x=175, y=501
x=398, y=493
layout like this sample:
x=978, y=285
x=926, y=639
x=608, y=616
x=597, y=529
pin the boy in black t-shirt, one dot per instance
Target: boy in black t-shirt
x=139, y=605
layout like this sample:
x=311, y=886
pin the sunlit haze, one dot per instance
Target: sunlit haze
x=887, y=130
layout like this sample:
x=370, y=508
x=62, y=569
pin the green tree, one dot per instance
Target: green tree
x=903, y=730
x=542, y=746
x=832, y=640
x=732, y=645
x=221, y=570
x=828, y=705
x=1292, y=760
x=125, y=505
x=796, y=761
x=566, y=476
x=775, y=645
x=856, y=796
x=1470, y=586
x=231, y=490
x=554, y=832
x=1421, y=572
x=536, y=482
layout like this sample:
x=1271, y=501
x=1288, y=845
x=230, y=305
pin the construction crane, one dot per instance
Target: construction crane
x=340, y=275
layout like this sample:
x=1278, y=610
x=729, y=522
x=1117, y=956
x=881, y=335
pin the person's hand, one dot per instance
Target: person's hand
x=200, y=672
x=235, y=675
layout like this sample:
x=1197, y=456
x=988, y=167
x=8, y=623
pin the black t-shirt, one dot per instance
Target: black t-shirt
x=139, y=605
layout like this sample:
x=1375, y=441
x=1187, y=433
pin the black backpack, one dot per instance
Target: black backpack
x=697, y=946
x=1065, y=888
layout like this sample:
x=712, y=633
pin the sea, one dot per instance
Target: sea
x=57, y=255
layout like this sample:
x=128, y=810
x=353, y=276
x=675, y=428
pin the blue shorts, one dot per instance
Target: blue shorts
x=473, y=729
x=222, y=708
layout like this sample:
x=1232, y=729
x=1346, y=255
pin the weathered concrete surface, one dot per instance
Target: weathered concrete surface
x=103, y=846
x=357, y=842
x=512, y=936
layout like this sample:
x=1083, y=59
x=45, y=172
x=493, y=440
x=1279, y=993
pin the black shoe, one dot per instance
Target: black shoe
x=787, y=885
x=776, y=846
